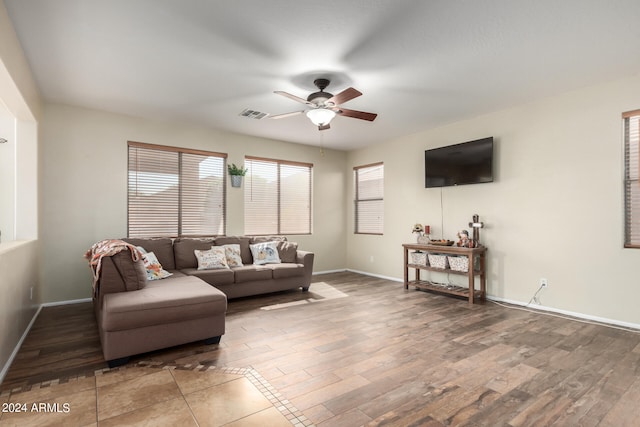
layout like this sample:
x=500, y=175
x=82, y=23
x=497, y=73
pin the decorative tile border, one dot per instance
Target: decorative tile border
x=45, y=384
x=286, y=408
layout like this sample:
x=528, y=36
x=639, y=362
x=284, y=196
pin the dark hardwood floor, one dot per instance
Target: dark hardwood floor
x=386, y=356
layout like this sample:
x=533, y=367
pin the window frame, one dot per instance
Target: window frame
x=180, y=151
x=279, y=163
x=357, y=200
x=631, y=209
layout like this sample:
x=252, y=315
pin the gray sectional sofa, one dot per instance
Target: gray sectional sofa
x=136, y=315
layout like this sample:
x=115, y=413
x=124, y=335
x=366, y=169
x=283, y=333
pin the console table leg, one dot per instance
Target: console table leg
x=406, y=268
x=483, y=277
x=472, y=291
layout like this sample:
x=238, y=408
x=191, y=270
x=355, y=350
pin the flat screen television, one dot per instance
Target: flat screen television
x=466, y=163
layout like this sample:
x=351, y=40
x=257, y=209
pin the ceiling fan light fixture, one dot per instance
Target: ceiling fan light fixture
x=321, y=116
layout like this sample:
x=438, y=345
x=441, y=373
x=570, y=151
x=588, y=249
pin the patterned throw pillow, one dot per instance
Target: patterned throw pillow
x=211, y=259
x=265, y=253
x=232, y=252
x=154, y=269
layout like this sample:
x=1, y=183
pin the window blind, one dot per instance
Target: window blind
x=277, y=196
x=631, y=121
x=369, y=199
x=175, y=192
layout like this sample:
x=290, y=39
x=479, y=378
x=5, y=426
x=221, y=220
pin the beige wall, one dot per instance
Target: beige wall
x=18, y=274
x=18, y=258
x=84, y=188
x=555, y=209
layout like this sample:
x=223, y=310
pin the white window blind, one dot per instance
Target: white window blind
x=175, y=192
x=369, y=199
x=277, y=197
x=631, y=122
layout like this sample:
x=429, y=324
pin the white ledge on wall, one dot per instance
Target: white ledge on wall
x=13, y=244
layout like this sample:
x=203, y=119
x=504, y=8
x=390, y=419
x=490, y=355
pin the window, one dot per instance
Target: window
x=631, y=122
x=369, y=200
x=277, y=197
x=175, y=192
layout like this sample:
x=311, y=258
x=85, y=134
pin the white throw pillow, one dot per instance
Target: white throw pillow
x=232, y=252
x=211, y=259
x=265, y=253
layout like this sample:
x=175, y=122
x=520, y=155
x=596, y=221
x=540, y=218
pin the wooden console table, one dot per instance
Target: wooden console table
x=471, y=293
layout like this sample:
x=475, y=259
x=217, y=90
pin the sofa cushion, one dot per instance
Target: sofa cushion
x=130, y=275
x=283, y=270
x=183, y=248
x=249, y=273
x=162, y=247
x=213, y=258
x=245, y=252
x=212, y=277
x=287, y=251
x=263, y=239
x=172, y=300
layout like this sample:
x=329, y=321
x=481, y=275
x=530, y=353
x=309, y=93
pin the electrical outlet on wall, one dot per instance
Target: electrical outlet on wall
x=544, y=283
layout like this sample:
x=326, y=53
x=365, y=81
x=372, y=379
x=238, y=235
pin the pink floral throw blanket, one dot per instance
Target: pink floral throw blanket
x=105, y=248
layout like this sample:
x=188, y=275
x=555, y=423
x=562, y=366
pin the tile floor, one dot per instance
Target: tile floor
x=153, y=395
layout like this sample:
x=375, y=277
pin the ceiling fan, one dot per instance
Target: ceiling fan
x=325, y=106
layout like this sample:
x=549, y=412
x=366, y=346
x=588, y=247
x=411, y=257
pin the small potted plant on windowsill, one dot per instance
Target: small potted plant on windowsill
x=236, y=174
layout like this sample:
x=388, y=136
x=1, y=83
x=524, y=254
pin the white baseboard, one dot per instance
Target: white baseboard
x=579, y=316
x=379, y=276
x=365, y=273
x=73, y=301
x=318, y=273
x=7, y=365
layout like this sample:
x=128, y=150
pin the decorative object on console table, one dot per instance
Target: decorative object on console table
x=438, y=261
x=236, y=174
x=476, y=225
x=442, y=242
x=464, y=241
x=419, y=258
x=458, y=263
x=423, y=237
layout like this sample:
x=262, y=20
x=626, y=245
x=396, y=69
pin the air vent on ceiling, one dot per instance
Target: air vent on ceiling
x=252, y=114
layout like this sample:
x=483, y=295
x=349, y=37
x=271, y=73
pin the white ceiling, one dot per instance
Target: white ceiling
x=419, y=63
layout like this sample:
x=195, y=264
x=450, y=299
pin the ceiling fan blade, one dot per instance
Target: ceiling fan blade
x=295, y=98
x=324, y=127
x=356, y=114
x=344, y=96
x=282, y=116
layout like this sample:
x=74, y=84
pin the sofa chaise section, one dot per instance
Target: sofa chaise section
x=137, y=316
